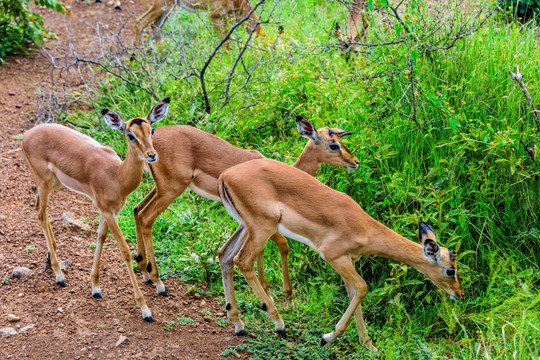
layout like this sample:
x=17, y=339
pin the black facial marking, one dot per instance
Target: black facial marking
x=149, y=267
x=263, y=307
x=138, y=258
x=331, y=132
x=138, y=121
x=452, y=256
x=228, y=307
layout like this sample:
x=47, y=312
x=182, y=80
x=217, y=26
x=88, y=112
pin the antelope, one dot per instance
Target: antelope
x=195, y=159
x=266, y=196
x=356, y=20
x=219, y=12
x=59, y=156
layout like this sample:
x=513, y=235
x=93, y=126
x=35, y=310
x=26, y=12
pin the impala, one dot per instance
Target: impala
x=219, y=12
x=266, y=196
x=195, y=159
x=59, y=156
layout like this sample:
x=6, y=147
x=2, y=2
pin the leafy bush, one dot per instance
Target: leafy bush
x=20, y=26
x=522, y=9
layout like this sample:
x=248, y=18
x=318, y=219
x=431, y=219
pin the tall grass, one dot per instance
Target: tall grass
x=462, y=168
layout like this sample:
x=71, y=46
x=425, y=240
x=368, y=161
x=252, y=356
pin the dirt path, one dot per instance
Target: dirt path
x=67, y=323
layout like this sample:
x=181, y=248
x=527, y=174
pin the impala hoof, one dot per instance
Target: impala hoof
x=61, y=283
x=242, y=333
x=163, y=293
x=97, y=296
x=149, y=281
x=323, y=342
x=98, y=1
x=281, y=333
x=117, y=7
x=148, y=319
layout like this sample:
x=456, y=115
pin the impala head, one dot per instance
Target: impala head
x=444, y=272
x=331, y=149
x=139, y=130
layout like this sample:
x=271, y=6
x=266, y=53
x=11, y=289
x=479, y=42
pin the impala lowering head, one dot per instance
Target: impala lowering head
x=139, y=130
x=444, y=271
x=331, y=149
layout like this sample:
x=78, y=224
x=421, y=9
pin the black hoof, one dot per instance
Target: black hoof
x=323, y=342
x=117, y=8
x=148, y=319
x=149, y=281
x=242, y=333
x=61, y=283
x=98, y=1
x=163, y=293
x=281, y=333
x=97, y=296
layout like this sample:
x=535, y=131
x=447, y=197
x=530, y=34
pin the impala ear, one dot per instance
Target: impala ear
x=113, y=120
x=307, y=130
x=159, y=111
x=432, y=250
x=344, y=133
x=425, y=232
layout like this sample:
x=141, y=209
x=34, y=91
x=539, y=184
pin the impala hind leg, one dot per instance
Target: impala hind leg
x=94, y=275
x=226, y=260
x=44, y=188
x=126, y=254
x=283, y=248
x=146, y=216
x=245, y=260
x=357, y=287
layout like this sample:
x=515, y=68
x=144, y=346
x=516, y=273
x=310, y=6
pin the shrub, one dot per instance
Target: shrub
x=20, y=26
x=523, y=10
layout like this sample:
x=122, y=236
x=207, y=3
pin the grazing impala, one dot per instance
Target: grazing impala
x=195, y=159
x=266, y=196
x=219, y=11
x=59, y=156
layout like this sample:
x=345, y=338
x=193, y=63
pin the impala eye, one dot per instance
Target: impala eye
x=334, y=147
x=451, y=272
x=131, y=137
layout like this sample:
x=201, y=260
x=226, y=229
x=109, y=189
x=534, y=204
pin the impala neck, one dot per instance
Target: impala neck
x=308, y=161
x=388, y=244
x=131, y=171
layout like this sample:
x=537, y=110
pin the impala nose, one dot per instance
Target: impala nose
x=151, y=158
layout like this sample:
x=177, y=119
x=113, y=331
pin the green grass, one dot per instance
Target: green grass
x=461, y=167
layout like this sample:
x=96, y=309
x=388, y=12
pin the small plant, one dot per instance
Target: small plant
x=182, y=320
x=105, y=326
x=29, y=247
x=222, y=322
x=169, y=325
x=92, y=245
x=4, y=281
x=207, y=311
x=17, y=137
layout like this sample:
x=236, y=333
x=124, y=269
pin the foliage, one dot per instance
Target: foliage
x=521, y=9
x=20, y=26
x=459, y=165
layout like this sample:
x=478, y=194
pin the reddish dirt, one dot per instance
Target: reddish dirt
x=67, y=322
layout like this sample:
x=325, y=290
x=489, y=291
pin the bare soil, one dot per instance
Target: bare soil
x=68, y=323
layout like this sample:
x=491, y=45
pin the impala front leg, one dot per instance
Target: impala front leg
x=140, y=258
x=94, y=275
x=358, y=288
x=126, y=254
